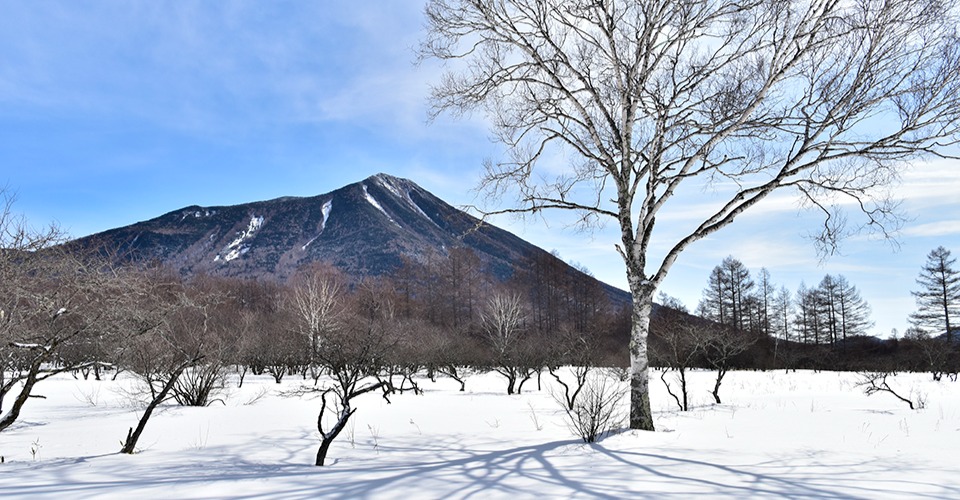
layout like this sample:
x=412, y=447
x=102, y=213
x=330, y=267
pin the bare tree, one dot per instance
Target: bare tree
x=938, y=300
x=317, y=302
x=824, y=99
x=726, y=299
x=807, y=319
x=580, y=352
x=54, y=304
x=180, y=359
x=450, y=354
x=852, y=313
x=351, y=342
x=596, y=412
x=260, y=336
x=766, y=296
x=782, y=311
x=876, y=382
x=934, y=353
x=720, y=346
x=504, y=325
x=676, y=345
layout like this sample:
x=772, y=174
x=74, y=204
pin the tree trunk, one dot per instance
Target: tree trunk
x=641, y=417
x=28, y=382
x=683, y=388
x=328, y=437
x=511, y=380
x=133, y=435
x=322, y=452
x=242, y=372
x=721, y=371
x=3, y=389
x=523, y=381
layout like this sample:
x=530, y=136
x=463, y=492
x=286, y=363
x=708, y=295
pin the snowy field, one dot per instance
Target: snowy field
x=781, y=435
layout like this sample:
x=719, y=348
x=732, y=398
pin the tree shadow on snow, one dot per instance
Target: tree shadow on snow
x=446, y=468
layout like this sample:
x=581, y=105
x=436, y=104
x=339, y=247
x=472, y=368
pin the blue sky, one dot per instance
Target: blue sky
x=112, y=112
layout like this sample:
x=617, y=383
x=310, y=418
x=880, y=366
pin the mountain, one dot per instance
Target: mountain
x=364, y=229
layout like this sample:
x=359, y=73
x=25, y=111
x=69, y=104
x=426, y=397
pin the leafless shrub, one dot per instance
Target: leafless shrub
x=200, y=385
x=596, y=411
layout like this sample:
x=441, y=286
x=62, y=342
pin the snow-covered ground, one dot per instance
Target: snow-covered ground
x=789, y=435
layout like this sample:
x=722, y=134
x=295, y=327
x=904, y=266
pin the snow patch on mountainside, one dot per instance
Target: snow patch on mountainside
x=389, y=186
x=239, y=247
x=198, y=214
x=373, y=201
x=327, y=207
x=402, y=194
x=420, y=211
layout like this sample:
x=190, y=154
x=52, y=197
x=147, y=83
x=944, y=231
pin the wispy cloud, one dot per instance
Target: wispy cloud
x=932, y=229
x=932, y=183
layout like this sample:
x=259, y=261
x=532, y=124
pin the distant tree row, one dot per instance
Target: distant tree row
x=826, y=326
x=826, y=314
x=832, y=311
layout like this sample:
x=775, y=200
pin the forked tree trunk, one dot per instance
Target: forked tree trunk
x=328, y=438
x=511, y=381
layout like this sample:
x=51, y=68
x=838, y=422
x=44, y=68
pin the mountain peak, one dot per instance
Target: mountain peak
x=365, y=229
x=387, y=178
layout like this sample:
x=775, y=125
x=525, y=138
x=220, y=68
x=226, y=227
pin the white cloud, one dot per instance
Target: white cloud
x=932, y=229
x=932, y=183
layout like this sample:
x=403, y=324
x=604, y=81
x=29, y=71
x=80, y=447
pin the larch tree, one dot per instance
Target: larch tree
x=727, y=298
x=645, y=103
x=854, y=312
x=807, y=316
x=938, y=300
x=828, y=307
x=782, y=311
x=840, y=310
x=766, y=297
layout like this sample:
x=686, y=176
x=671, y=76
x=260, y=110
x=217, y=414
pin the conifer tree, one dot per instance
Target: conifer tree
x=938, y=300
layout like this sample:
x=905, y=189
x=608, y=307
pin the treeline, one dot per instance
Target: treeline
x=823, y=327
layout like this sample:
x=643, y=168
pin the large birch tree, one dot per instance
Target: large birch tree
x=642, y=100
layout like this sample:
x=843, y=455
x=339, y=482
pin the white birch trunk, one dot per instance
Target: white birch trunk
x=641, y=416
